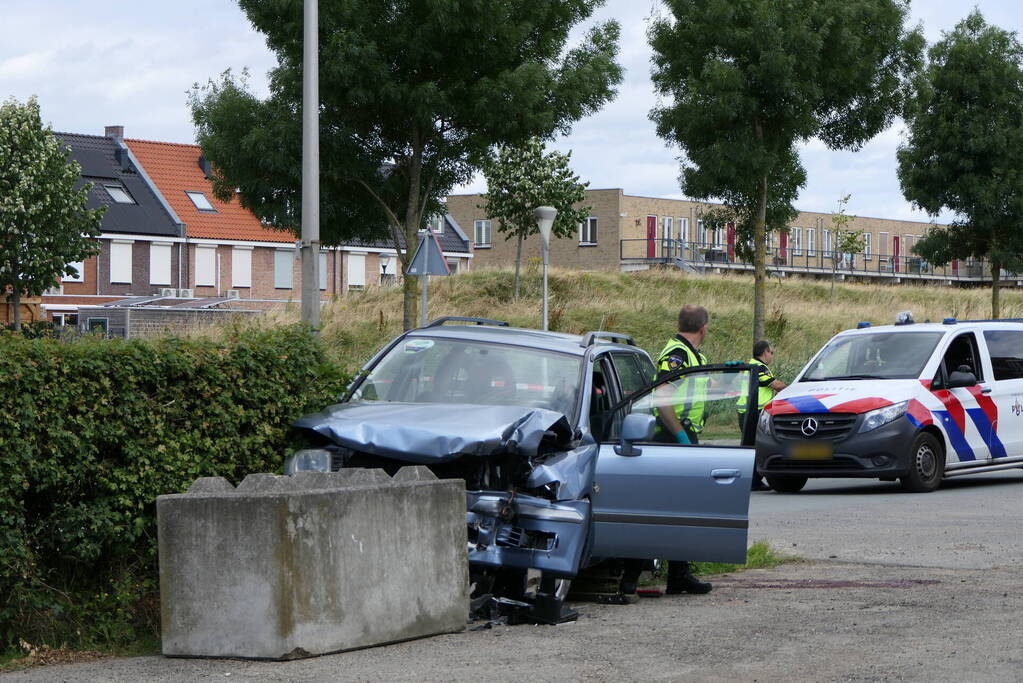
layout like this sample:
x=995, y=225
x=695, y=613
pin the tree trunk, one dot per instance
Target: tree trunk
x=518, y=264
x=759, y=262
x=16, y=302
x=410, y=287
x=996, y=286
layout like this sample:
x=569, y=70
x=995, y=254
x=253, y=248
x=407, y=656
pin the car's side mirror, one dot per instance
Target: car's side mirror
x=958, y=378
x=635, y=427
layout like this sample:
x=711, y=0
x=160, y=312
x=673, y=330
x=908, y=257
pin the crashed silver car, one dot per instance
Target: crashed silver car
x=556, y=439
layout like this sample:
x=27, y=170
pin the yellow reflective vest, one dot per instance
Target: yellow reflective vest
x=764, y=391
x=690, y=392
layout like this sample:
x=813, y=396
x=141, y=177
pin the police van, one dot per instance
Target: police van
x=914, y=402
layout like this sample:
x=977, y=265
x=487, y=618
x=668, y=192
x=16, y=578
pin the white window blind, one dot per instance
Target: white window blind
x=205, y=266
x=323, y=270
x=241, y=267
x=284, y=260
x=120, y=262
x=159, y=264
x=356, y=270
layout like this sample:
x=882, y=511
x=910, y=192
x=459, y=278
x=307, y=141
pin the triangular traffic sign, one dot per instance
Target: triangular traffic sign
x=429, y=258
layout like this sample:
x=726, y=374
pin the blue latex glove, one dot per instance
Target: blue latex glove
x=682, y=438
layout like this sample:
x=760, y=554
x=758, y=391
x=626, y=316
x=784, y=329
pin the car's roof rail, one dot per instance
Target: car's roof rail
x=591, y=338
x=990, y=320
x=464, y=319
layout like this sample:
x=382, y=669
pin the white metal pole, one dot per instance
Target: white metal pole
x=546, y=250
x=422, y=305
x=310, y=168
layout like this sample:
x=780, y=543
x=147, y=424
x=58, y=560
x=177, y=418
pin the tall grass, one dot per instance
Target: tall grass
x=800, y=314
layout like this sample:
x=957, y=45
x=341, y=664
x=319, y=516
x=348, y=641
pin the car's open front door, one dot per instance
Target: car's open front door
x=672, y=501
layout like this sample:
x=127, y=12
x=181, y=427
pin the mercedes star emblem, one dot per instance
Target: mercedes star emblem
x=808, y=427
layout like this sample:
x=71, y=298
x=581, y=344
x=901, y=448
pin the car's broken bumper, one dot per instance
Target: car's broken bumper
x=524, y=532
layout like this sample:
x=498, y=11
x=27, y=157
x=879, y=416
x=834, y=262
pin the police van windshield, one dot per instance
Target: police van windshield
x=423, y=370
x=882, y=355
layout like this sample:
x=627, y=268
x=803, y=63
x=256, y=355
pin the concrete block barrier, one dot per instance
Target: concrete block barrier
x=290, y=567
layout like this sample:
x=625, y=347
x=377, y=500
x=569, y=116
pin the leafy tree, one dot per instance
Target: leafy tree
x=521, y=178
x=423, y=89
x=965, y=148
x=843, y=240
x=44, y=224
x=750, y=80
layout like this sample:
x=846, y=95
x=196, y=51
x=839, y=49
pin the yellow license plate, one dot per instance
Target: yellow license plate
x=811, y=451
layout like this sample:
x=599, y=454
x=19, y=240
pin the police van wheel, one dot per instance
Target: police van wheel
x=926, y=465
x=786, y=484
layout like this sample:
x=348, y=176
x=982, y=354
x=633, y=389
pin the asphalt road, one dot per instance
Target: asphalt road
x=892, y=586
x=971, y=522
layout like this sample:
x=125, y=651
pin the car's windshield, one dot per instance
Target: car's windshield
x=881, y=355
x=425, y=370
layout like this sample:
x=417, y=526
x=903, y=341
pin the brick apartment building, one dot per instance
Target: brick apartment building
x=630, y=232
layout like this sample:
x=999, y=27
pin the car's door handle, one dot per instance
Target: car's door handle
x=985, y=390
x=724, y=476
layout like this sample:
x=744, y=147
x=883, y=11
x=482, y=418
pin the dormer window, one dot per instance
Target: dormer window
x=119, y=194
x=200, y=200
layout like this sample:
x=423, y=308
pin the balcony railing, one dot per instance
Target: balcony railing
x=700, y=256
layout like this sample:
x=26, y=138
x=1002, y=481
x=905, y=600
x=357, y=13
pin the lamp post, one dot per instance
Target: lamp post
x=310, y=167
x=545, y=221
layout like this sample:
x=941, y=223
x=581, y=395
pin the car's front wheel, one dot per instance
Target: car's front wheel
x=786, y=484
x=926, y=465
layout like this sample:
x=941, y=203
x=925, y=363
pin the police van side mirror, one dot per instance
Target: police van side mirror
x=635, y=427
x=958, y=379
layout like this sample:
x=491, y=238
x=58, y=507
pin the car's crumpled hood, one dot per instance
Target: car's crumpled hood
x=426, y=433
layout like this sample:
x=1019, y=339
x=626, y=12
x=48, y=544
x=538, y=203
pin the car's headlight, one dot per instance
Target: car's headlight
x=307, y=460
x=882, y=416
x=764, y=423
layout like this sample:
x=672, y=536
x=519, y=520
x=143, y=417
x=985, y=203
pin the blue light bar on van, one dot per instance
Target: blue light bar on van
x=861, y=325
x=948, y=321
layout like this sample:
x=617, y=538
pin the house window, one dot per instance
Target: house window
x=241, y=267
x=119, y=194
x=811, y=241
x=284, y=268
x=79, y=267
x=867, y=237
x=796, y=240
x=669, y=228
x=159, y=263
x=826, y=239
x=436, y=224
x=357, y=270
x=483, y=233
x=120, y=262
x=323, y=271
x=453, y=265
x=98, y=325
x=388, y=270
x=683, y=229
x=882, y=246
x=200, y=200
x=588, y=231
x=701, y=232
x=205, y=266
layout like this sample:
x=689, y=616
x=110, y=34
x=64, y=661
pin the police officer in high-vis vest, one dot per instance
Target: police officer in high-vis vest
x=767, y=386
x=682, y=423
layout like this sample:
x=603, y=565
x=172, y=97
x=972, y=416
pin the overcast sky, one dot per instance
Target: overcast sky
x=131, y=63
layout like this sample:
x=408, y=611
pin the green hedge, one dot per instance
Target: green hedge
x=92, y=431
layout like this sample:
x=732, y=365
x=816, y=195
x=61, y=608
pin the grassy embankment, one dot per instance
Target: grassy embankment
x=800, y=313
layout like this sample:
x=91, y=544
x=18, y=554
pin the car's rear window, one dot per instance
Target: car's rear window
x=881, y=355
x=428, y=370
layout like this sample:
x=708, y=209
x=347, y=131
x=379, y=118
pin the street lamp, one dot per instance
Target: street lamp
x=545, y=221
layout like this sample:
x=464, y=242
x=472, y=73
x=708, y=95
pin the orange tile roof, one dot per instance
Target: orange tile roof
x=174, y=168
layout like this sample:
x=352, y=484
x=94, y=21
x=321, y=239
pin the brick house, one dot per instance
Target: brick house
x=166, y=237
x=629, y=232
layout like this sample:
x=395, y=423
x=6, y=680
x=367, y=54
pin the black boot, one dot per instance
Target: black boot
x=681, y=580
